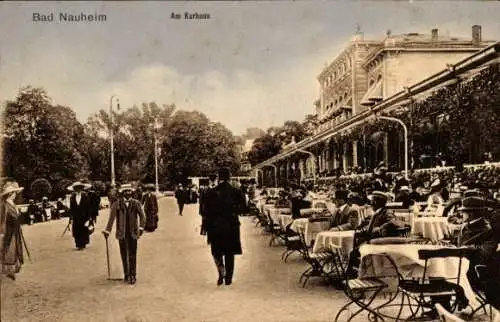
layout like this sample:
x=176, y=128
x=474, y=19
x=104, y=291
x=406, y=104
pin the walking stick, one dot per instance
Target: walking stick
x=107, y=257
x=25, y=245
x=66, y=229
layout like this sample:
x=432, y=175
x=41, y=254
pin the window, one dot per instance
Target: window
x=372, y=81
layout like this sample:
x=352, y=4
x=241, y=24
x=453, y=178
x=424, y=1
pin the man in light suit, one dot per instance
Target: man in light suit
x=345, y=216
x=126, y=211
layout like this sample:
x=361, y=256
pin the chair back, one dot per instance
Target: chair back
x=445, y=316
x=427, y=254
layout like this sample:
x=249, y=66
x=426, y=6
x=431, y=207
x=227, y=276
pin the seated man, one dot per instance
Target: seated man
x=345, y=216
x=382, y=223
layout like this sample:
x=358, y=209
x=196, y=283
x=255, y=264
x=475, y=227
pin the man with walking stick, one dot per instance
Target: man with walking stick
x=129, y=229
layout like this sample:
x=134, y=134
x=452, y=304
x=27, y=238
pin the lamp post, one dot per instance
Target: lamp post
x=156, y=127
x=406, y=138
x=113, y=182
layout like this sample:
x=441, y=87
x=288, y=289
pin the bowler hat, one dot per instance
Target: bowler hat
x=472, y=203
x=150, y=186
x=472, y=193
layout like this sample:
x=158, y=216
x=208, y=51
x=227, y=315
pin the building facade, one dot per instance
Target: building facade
x=365, y=76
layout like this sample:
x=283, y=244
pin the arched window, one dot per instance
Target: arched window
x=345, y=97
x=379, y=78
x=372, y=81
x=335, y=75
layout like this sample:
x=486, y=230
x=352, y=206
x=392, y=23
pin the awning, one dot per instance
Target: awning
x=347, y=105
x=373, y=95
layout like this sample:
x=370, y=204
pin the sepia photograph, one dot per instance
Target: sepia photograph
x=250, y=161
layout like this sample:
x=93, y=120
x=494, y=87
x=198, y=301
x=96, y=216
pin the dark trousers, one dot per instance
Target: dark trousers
x=181, y=207
x=225, y=265
x=128, y=251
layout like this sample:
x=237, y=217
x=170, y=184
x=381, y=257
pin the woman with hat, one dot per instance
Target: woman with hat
x=150, y=204
x=11, y=254
x=435, y=202
x=80, y=214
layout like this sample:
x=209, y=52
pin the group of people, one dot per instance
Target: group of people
x=473, y=209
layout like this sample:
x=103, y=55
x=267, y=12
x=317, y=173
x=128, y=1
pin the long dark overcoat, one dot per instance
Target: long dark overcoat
x=150, y=204
x=80, y=214
x=225, y=203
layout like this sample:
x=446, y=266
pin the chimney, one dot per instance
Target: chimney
x=476, y=34
x=434, y=33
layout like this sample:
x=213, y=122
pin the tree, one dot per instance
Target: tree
x=40, y=188
x=41, y=140
x=194, y=146
x=264, y=148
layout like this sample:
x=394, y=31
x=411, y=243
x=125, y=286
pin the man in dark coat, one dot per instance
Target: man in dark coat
x=79, y=214
x=95, y=202
x=130, y=222
x=382, y=223
x=150, y=204
x=182, y=196
x=345, y=217
x=223, y=226
x=206, y=197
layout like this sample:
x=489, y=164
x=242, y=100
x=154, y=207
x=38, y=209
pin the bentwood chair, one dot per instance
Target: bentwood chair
x=316, y=261
x=424, y=289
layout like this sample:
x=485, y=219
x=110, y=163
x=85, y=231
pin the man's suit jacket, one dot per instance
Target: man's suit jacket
x=150, y=203
x=347, y=219
x=120, y=212
x=384, y=220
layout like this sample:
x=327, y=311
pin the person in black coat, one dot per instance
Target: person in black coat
x=223, y=225
x=94, y=203
x=206, y=196
x=182, y=196
x=80, y=214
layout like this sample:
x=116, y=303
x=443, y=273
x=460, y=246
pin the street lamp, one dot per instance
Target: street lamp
x=113, y=183
x=156, y=127
x=406, y=138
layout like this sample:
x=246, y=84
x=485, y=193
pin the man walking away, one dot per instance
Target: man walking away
x=223, y=226
x=129, y=229
x=182, y=197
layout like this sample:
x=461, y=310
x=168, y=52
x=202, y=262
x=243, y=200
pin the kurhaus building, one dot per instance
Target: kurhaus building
x=374, y=76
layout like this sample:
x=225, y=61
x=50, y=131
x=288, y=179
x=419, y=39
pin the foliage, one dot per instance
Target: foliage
x=41, y=188
x=264, y=148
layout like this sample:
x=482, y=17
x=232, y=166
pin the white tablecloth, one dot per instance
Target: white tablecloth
x=434, y=228
x=310, y=229
x=284, y=220
x=337, y=239
x=275, y=212
x=409, y=265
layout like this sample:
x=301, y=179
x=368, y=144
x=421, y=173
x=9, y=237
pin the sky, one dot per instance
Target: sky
x=252, y=64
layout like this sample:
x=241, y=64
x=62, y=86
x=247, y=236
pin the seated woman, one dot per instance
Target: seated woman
x=435, y=202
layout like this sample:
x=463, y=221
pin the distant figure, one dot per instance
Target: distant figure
x=223, y=226
x=150, y=204
x=182, y=197
x=94, y=203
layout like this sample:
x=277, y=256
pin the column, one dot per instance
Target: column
x=355, y=154
x=344, y=158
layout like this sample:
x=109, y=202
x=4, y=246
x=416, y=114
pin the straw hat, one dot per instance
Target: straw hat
x=126, y=187
x=10, y=187
x=404, y=188
x=150, y=186
x=379, y=195
x=79, y=184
